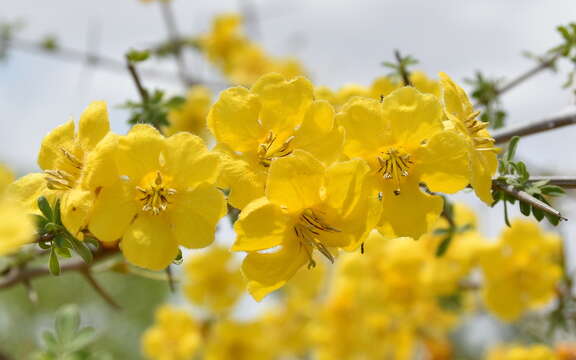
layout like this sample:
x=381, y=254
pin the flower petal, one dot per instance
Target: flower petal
x=484, y=166
x=138, y=153
x=233, y=119
x=261, y=225
x=365, y=130
x=149, y=242
x=443, y=163
x=28, y=189
x=93, y=125
x=294, y=181
x=194, y=215
x=51, y=149
x=267, y=272
x=76, y=207
x=100, y=167
x=113, y=211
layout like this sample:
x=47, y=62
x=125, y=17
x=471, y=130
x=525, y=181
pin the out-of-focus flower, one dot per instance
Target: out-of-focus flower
x=521, y=270
x=6, y=177
x=213, y=280
x=191, y=117
x=238, y=340
x=175, y=335
x=516, y=352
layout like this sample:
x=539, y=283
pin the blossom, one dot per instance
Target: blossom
x=307, y=208
x=213, y=280
x=238, y=340
x=165, y=197
x=521, y=270
x=404, y=141
x=191, y=117
x=460, y=111
x=272, y=119
x=517, y=352
x=175, y=335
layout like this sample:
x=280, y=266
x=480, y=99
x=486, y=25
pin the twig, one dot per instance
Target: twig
x=566, y=182
x=403, y=72
x=542, y=65
x=536, y=127
x=527, y=198
x=134, y=73
x=99, y=289
x=170, y=279
x=173, y=34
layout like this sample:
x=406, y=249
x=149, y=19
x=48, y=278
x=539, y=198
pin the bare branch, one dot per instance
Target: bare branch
x=174, y=36
x=99, y=289
x=543, y=65
x=527, y=198
x=136, y=78
x=548, y=124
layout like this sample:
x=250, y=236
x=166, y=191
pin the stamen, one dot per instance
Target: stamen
x=156, y=196
x=393, y=166
x=266, y=155
x=59, y=179
x=73, y=159
x=308, y=231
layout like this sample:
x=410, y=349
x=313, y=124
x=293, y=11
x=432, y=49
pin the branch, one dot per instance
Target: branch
x=527, y=198
x=535, y=128
x=174, y=36
x=134, y=74
x=403, y=71
x=566, y=182
x=543, y=65
x=99, y=289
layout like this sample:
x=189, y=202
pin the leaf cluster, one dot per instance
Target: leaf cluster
x=399, y=67
x=54, y=237
x=154, y=110
x=485, y=93
x=516, y=173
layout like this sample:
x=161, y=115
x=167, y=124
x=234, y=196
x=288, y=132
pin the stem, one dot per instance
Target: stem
x=173, y=34
x=170, y=279
x=527, y=198
x=134, y=73
x=403, y=71
x=99, y=289
x=543, y=65
x=536, y=127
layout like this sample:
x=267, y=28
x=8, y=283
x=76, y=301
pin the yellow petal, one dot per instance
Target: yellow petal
x=318, y=134
x=113, y=211
x=364, y=125
x=139, y=152
x=149, y=242
x=294, y=181
x=6, y=177
x=383, y=86
x=76, y=207
x=233, y=119
x=93, y=125
x=51, y=149
x=28, y=189
x=267, y=272
x=100, y=167
x=189, y=162
x=412, y=213
x=261, y=225
x=16, y=228
x=345, y=182
x=456, y=101
x=412, y=116
x=484, y=166
x=443, y=163
x=284, y=102
x=194, y=215
x=425, y=84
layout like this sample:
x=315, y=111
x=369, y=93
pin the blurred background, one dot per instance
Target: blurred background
x=339, y=42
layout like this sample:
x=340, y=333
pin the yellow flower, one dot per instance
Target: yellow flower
x=404, y=141
x=191, y=117
x=224, y=40
x=307, y=207
x=515, y=352
x=521, y=270
x=6, y=177
x=239, y=341
x=165, y=197
x=213, y=280
x=484, y=162
x=254, y=127
x=174, y=336
x=74, y=167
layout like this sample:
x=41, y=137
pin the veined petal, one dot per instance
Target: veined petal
x=194, y=215
x=233, y=119
x=365, y=130
x=456, y=101
x=51, y=149
x=189, y=162
x=113, y=211
x=267, y=272
x=149, y=242
x=411, y=116
x=444, y=163
x=75, y=208
x=93, y=125
x=294, y=181
x=139, y=152
x=484, y=166
x=284, y=102
x=261, y=225
x=412, y=213
x=100, y=167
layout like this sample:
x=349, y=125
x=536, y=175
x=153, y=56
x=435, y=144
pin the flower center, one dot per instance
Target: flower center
x=155, y=193
x=267, y=151
x=393, y=165
x=308, y=231
x=59, y=179
x=474, y=128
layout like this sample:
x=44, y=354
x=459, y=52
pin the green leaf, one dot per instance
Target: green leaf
x=53, y=264
x=512, y=146
x=552, y=190
x=81, y=249
x=82, y=339
x=179, y=259
x=57, y=213
x=136, y=56
x=525, y=208
x=175, y=102
x=443, y=247
x=63, y=252
x=67, y=323
x=506, y=218
x=538, y=214
x=41, y=221
x=45, y=208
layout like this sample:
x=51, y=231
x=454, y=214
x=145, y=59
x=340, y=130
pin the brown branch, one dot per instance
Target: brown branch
x=136, y=78
x=543, y=65
x=527, y=198
x=86, y=272
x=174, y=36
x=548, y=124
x=566, y=182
